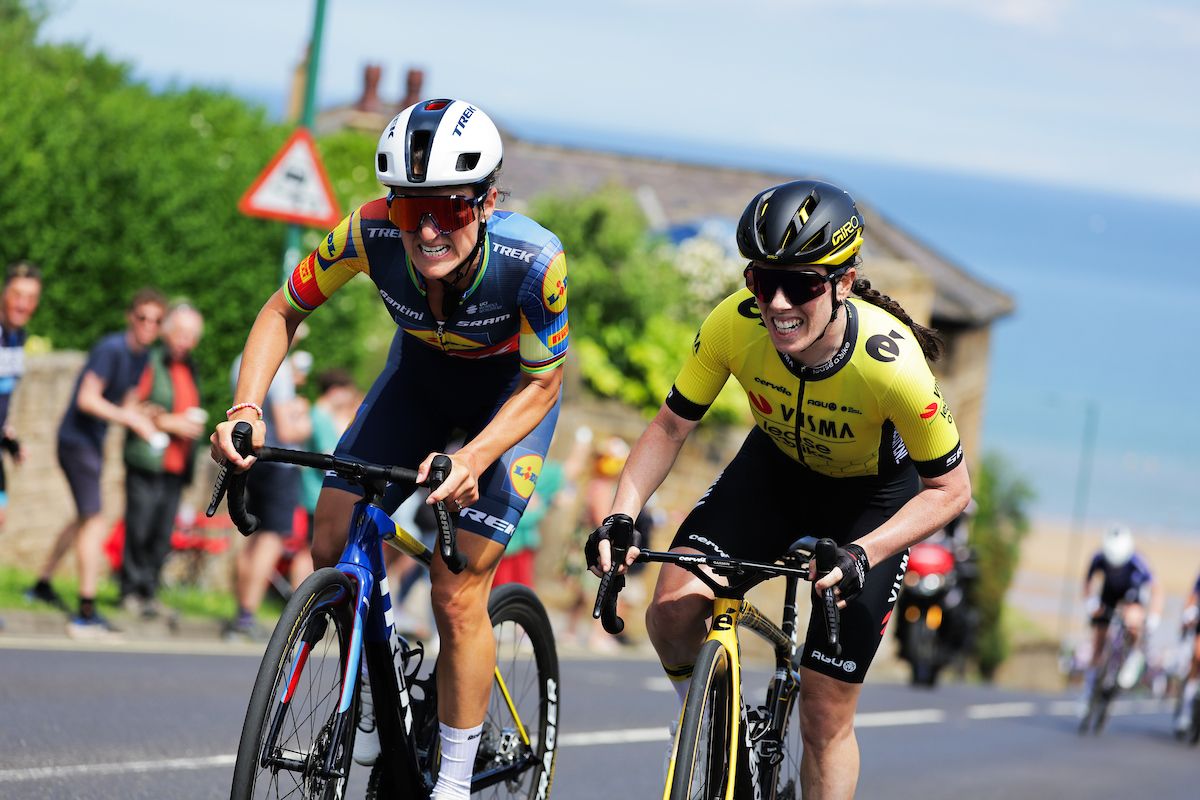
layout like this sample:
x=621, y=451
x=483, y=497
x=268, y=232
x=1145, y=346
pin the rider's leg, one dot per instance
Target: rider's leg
x=467, y=661
x=1190, y=688
x=331, y=520
x=676, y=621
x=829, y=766
x=1134, y=615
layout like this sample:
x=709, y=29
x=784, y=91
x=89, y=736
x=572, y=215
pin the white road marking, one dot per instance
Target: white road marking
x=41, y=773
x=1001, y=710
x=916, y=716
x=874, y=719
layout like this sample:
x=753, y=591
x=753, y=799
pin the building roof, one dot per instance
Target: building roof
x=673, y=193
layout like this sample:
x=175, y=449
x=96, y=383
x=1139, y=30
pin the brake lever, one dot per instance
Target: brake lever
x=456, y=562
x=826, y=560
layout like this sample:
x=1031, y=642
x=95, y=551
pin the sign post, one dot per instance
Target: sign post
x=294, y=187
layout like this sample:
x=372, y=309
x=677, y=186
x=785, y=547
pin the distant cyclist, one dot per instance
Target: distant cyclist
x=1118, y=580
x=1191, y=624
x=480, y=298
x=852, y=441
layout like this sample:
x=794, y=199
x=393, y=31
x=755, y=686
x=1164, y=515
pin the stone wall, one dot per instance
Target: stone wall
x=39, y=501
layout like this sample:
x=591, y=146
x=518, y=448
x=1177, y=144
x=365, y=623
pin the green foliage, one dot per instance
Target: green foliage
x=999, y=524
x=632, y=315
x=110, y=187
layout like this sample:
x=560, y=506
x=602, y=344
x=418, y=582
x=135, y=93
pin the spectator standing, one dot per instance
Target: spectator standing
x=101, y=396
x=273, y=495
x=22, y=291
x=169, y=393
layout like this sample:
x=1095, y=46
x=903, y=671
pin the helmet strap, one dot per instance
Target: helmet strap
x=451, y=294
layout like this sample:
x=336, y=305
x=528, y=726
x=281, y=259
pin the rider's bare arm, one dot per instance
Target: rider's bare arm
x=651, y=459
x=266, y=347
x=535, y=396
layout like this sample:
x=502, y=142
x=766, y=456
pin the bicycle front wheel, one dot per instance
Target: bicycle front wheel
x=703, y=761
x=294, y=742
x=519, y=742
x=787, y=778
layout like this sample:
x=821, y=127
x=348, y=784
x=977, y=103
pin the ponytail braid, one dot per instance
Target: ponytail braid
x=932, y=344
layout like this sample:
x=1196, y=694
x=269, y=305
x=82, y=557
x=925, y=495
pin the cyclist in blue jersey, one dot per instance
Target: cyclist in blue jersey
x=479, y=296
x=1119, y=581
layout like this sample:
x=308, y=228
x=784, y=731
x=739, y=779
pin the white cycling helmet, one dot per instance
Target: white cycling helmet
x=438, y=143
x=1118, y=545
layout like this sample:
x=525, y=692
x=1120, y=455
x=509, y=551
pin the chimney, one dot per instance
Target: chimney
x=370, y=92
x=412, y=87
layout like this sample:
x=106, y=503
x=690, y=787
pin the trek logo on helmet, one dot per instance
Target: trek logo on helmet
x=463, y=120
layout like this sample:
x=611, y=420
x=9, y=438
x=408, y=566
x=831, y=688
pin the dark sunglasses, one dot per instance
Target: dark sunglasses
x=798, y=287
x=448, y=212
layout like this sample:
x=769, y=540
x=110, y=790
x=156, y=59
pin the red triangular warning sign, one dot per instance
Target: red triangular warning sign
x=293, y=187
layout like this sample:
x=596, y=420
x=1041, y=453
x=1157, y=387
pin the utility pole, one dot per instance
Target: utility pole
x=1072, y=582
x=291, y=248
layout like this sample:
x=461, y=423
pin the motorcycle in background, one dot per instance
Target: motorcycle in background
x=936, y=621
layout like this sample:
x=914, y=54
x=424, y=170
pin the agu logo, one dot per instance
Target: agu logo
x=554, y=284
x=523, y=474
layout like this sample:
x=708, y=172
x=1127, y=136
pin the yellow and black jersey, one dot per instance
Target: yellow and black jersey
x=872, y=407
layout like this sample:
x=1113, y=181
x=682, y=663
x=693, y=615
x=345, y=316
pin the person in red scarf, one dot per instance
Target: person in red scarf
x=157, y=470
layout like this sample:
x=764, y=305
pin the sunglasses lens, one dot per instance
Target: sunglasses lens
x=449, y=213
x=798, y=287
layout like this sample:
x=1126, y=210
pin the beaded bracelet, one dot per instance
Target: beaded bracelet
x=239, y=406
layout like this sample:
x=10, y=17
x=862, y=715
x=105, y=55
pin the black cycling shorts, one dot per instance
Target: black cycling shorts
x=419, y=402
x=764, y=501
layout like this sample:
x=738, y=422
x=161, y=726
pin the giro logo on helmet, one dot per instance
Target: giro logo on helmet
x=841, y=233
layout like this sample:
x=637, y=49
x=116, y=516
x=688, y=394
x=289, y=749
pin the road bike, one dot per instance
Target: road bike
x=724, y=748
x=1105, y=684
x=299, y=730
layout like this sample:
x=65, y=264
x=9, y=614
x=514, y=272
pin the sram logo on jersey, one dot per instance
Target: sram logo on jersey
x=476, y=323
x=512, y=252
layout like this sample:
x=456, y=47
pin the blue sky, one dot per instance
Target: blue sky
x=1088, y=93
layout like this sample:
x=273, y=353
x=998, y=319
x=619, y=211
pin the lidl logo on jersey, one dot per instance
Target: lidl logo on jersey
x=334, y=246
x=523, y=474
x=554, y=285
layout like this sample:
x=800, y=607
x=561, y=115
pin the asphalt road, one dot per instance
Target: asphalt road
x=93, y=723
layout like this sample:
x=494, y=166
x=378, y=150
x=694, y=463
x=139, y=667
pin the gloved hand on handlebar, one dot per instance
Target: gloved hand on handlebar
x=617, y=531
x=851, y=568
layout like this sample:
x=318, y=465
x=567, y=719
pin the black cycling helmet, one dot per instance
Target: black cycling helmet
x=801, y=222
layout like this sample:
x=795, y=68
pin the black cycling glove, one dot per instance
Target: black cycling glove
x=852, y=560
x=618, y=529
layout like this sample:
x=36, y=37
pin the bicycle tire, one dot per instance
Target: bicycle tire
x=791, y=750
x=1193, y=737
x=527, y=659
x=319, y=614
x=703, y=764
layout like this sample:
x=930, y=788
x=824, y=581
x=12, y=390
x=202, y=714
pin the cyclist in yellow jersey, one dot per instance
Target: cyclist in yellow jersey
x=853, y=441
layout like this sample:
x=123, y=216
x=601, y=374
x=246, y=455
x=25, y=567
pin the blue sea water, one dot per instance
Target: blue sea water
x=1107, y=291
